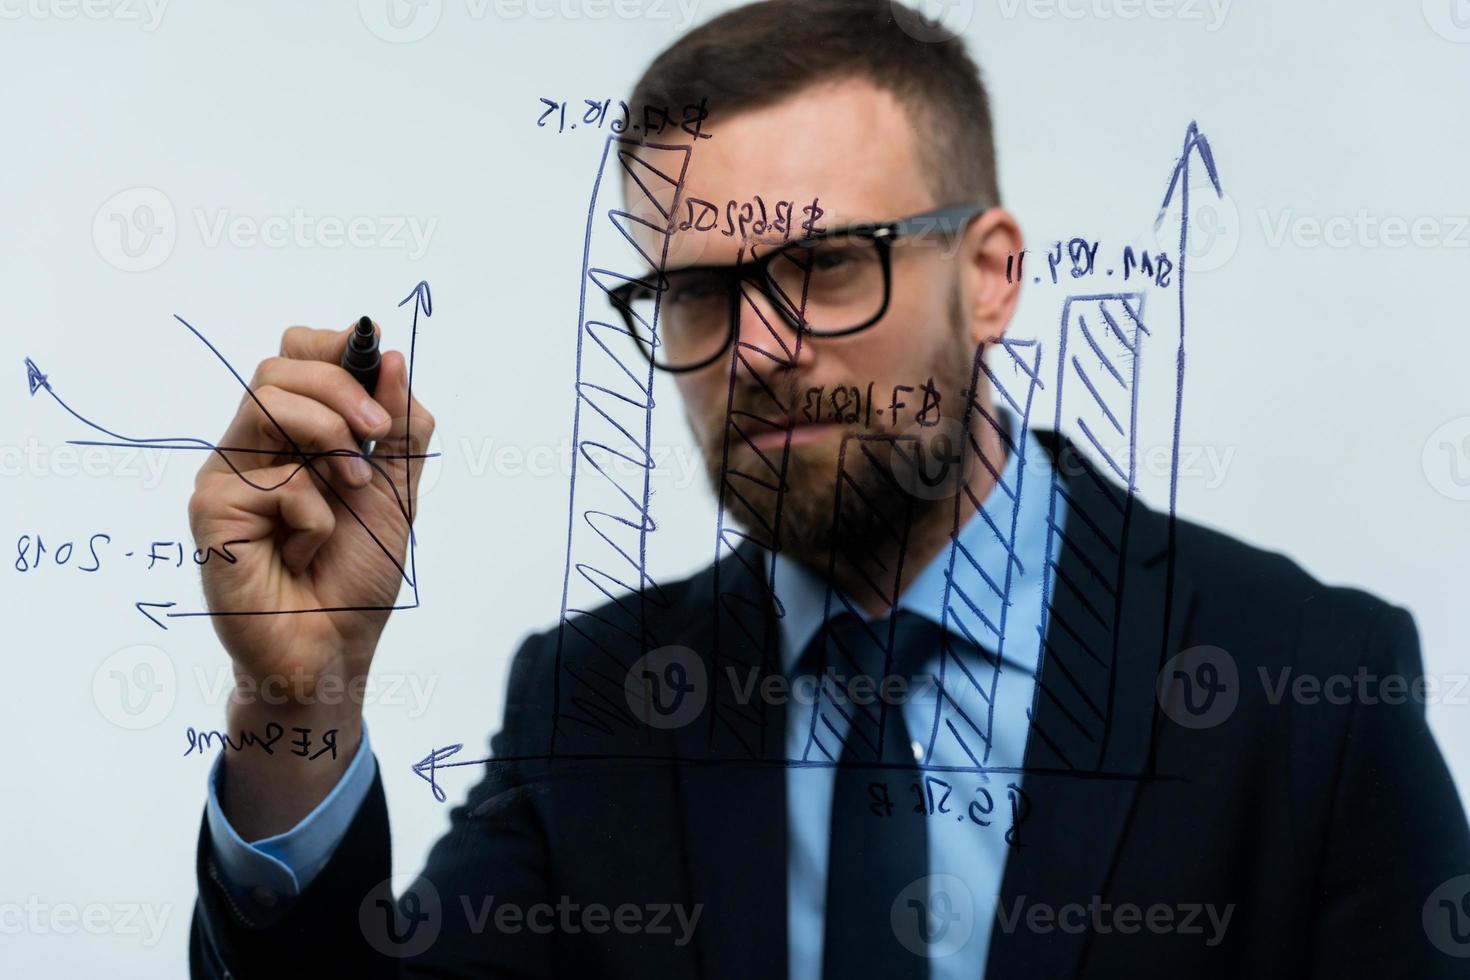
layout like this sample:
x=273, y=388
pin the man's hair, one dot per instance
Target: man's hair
x=754, y=56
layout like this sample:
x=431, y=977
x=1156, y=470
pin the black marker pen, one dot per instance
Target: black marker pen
x=362, y=360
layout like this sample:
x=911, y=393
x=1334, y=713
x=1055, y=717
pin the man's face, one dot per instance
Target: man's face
x=849, y=146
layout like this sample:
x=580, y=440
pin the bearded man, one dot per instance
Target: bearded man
x=914, y=724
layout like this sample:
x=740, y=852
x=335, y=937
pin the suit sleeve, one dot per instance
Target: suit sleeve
x=1397, y=839
x=353, y=921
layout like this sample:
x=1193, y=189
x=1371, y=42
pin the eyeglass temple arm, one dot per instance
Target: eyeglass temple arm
x=952, y=218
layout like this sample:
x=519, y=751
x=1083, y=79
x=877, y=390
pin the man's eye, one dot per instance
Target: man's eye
x=693, y=292
x=829, y=260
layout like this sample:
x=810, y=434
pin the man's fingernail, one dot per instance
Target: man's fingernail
x=372, y=414
x=361, y=471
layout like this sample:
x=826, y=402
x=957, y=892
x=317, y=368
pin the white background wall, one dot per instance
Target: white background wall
x=1324, y=377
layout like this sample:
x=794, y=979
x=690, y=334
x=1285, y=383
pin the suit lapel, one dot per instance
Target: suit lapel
x=1092, y=719
x=731, y=785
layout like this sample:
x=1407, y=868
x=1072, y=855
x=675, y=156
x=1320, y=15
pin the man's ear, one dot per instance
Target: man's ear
x=987, y=299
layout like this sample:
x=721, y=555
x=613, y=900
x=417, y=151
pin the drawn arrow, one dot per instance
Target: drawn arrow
x=154, y=605
x=34, y=378
x=1194, y=141
x=1195, y=144
x=425, y=767
x=422, y=301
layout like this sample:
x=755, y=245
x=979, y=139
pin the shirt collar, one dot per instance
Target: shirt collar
x=979, y=562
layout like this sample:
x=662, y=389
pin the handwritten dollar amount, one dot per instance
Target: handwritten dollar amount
x=650, y=120
x=935, y=799
x=1078, y=259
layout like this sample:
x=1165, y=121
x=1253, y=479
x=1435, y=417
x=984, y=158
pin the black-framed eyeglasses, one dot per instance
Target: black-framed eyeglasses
x=831, y=284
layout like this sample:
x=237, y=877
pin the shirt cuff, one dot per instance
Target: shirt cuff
x=267, y=872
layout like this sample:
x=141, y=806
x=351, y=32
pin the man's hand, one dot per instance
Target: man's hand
x=308, y=531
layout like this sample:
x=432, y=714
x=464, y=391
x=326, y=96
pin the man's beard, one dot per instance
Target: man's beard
x=878, y=503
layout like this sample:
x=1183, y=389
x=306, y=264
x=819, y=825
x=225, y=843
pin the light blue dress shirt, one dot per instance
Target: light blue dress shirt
x=268, y=871
x=965, y=589
x=986, y=583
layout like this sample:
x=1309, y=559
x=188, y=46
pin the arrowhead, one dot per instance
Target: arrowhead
x=421, y=299
x=34, y=378
x=1194, y=141
x=425, y=767
x=153, y=605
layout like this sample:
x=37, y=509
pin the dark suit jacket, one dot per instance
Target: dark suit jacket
x=1323, y=827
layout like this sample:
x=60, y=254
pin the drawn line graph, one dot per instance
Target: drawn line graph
x=420, y=296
